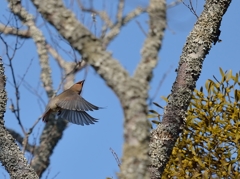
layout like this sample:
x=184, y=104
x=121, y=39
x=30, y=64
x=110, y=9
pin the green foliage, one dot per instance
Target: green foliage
x=209, y=146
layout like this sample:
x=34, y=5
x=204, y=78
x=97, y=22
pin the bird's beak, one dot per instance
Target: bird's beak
x=80, y=82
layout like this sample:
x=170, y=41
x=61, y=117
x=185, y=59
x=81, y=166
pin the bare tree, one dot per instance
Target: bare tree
x=132, y=91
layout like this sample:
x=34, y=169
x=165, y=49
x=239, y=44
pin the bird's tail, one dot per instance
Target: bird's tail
x=46, y=115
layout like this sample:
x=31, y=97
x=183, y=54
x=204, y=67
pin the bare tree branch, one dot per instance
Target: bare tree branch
x=141, y=28
x=199, y=42
x=120, y=10
x=63, y=63
x=39, y=39
x=25, y=141
x=10, y=156
x=26, y=34
x=115, y=28
x=14, y=31
x=142, y=76
x=174, y=3
x=49, y=138
x=191, y=8
x=102, y=14
x=83, y=41
x=53, y=130
x=153, y=42
x=70, y=68
x=14, y=109
x=19, y=138
x=33, y=91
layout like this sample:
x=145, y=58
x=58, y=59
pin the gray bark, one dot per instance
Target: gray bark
x=136, y=129
x=204, y=34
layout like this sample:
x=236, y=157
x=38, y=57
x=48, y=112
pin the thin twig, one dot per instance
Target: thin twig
x=33, y=91
x=174, y=3
x=24, y=75
x=190, y=7
x=120, y=10
x=55, y=176
x=25, y=141
x=116, y=27
x=102, y=14
x=141, y=28
x=115, y=156
x=16, y=110
x=34, y=144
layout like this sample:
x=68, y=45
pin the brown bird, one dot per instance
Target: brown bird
x=71, y=106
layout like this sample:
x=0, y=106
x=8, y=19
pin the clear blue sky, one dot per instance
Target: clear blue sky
x=84, y=152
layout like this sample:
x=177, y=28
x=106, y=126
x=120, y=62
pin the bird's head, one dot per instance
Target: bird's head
x=77, y=87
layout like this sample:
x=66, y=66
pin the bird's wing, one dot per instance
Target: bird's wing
x=77, y=117
x=76, y=102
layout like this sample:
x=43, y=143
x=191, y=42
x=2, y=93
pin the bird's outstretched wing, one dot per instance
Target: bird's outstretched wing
x=76, y=102
x=77, y=117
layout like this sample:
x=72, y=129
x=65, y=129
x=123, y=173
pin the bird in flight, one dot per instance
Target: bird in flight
x=71, y=106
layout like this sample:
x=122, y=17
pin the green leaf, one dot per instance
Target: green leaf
x=164, y=98
x=149, y=116
x=221, y=71
x=156, y=122
x=229, y=75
